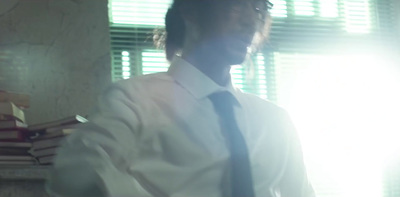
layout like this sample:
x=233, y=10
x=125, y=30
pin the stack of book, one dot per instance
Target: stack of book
x=16, y=153
x=13, y=130
x=46, y=137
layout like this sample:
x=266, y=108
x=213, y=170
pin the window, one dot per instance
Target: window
x=357, y=15
x=126, y=65
x=133, y=53
x=279, y=9
x=139, y=13
x=321, y=64
x=330, y=98
x=153, y=61
x=251, y=78
x=304, y=7
x=329, y=8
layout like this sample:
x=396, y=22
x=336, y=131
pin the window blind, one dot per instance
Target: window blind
x=153, y=61
x=132, y=25
x=138, y=13
x=306, y=37
x=251, y=77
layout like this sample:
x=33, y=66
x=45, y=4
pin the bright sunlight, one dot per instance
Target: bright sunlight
x=347, y=111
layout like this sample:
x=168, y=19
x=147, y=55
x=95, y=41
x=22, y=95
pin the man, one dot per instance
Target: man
x=188, y=132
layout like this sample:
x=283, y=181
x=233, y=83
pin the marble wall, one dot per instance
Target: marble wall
x=58, y=51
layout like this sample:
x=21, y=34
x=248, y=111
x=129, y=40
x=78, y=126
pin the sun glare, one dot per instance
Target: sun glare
x=346, y=109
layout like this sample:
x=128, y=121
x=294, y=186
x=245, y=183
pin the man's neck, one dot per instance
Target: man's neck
x=216, y=71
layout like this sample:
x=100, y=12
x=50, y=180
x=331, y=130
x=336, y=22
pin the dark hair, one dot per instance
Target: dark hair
x=175, y=28
x=172, y=38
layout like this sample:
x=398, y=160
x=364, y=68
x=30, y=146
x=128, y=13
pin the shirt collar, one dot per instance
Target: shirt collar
x=194, y=81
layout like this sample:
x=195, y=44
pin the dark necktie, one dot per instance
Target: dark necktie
x=241, y=179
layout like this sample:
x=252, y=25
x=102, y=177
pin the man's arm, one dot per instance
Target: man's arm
x=294, y=182
x=94, y=160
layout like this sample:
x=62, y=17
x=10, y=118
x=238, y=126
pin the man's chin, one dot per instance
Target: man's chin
x=236, y=60
x=228, y=55
x=236, y=57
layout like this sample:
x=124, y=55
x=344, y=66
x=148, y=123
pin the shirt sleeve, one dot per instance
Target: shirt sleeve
x=294, y=182
x=93, y=161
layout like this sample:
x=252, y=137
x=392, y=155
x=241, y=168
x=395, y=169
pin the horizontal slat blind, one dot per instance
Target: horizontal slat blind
x=154, y=61
x=251, y=77
x=138, y=13
x=299, y=25
x=131, y=34
x=287, y=68
x=132, y=24
x=320, y=31
x=279, y=9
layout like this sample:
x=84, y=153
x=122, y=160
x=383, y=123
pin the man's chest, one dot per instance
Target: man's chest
x=188, y=146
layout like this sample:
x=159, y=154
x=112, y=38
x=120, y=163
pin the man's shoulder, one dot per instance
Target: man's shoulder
x=260, y=104
x=143, y=82
x=267, y=114
x=143, y=86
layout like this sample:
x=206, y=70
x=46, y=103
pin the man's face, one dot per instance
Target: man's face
x=229, y=28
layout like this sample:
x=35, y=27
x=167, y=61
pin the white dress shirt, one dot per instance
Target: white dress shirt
x=159, y=135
